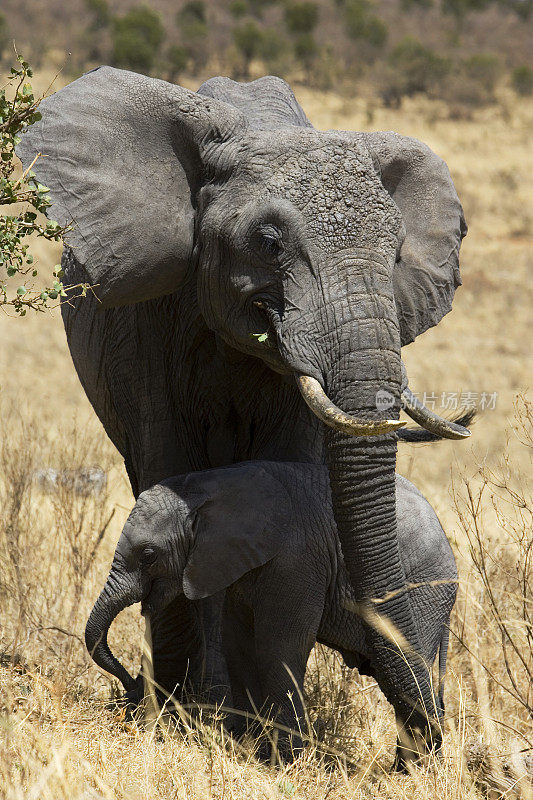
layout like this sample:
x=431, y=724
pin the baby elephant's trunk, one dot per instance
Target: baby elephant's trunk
x=112, y=600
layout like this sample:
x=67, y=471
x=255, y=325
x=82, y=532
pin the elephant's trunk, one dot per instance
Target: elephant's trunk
x=364, y=380
x=114, y=597
x=362, y=476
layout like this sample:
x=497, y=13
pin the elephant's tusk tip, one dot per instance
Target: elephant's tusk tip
x=464, y=434
x=443, y=428
x=394, y=424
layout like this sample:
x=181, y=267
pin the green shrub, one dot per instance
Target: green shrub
x=273, y=49
x=375, y=32
x=238, y=9
x=363, y=25
x=470, y=86
x=483, y=68
x=522, y=8
x=328, y=68
x=194, y=10
x=100, y=13
x=417, y=68
x=177, y=60
x=93, y=44
x=256, y=7
x=18, y=111
x=136, y=38
x=302, y=17
x=409, y=5
x=463, y=94
x=306, y=50
x=355, y=14
x=522, y=80
x=4, y=35
x=192, y=23
x=247, y=38
x=460, y=8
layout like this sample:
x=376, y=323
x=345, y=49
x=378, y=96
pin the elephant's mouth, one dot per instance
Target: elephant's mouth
x=159, y=595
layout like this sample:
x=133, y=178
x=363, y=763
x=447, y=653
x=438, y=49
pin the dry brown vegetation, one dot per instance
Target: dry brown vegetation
x=57, y=738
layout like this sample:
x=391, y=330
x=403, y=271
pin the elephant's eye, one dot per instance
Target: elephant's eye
x=269, y=242
x=148, y=556
x=270, y=245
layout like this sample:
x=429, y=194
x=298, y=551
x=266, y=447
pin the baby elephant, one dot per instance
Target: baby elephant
x=264, y=531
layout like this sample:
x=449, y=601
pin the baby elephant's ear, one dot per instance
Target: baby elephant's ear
x=241, y=518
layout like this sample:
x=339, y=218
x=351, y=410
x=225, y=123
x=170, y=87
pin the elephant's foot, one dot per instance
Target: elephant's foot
x=416, y=745
x=275, y=745
x=278, y=750
x=270, y=744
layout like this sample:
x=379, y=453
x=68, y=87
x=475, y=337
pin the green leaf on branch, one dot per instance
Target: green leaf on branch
x=18, y=111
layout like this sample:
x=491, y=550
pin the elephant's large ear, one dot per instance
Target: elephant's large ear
x=241, y=518
x=427, y=272
x=122, y=155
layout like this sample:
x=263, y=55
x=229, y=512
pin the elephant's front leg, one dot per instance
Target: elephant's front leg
x=215, y=678
x=177, y=648
x=286, y=627
x=281, y=668
x=239, y=650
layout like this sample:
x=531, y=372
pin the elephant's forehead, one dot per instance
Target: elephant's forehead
x=155, y=507
x=301, y=153
x=334, y=184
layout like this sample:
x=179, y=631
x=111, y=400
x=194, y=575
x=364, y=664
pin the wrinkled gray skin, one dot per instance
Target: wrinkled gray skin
x=264, y=531
x=196, y=207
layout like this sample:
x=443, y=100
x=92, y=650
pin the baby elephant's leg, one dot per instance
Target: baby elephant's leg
x=285, y=632
x=239, y=651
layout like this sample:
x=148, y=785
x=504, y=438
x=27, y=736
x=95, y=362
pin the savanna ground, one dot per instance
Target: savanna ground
x=58, y=739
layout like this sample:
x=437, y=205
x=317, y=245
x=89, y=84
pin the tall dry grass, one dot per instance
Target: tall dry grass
x=59, y=740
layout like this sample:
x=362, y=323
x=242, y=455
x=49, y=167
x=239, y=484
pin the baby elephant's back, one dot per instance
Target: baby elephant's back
x=424, y=548
x=426, y=555
x=310, y=515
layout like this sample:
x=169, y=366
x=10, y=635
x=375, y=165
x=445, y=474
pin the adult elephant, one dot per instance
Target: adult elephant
x=243, y=259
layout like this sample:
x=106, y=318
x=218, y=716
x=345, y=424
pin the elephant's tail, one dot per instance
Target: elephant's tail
x=443, y=654
x=420, y=435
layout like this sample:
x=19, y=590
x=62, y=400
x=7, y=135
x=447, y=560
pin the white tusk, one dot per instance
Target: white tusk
x=330, y=414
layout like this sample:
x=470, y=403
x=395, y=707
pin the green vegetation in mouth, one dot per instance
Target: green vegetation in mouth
x=261, y=337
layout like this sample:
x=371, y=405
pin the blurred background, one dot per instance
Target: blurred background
x=459, y=51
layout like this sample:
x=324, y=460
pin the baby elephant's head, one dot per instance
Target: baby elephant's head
x=195, y=534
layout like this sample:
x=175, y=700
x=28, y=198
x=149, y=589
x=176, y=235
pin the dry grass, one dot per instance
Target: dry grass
x=58, y=740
